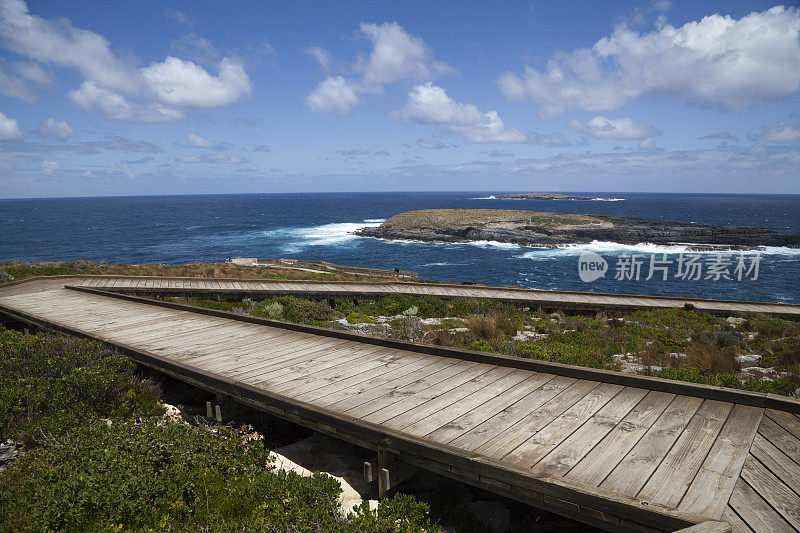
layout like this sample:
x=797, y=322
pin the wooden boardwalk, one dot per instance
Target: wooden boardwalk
x=618, y=451
x=585, y=301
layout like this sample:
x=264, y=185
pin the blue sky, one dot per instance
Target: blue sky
x=129, y=98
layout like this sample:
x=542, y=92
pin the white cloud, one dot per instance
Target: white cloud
x=430, y=104
x=322, y=56
x=211, y=158
x=353, y=151
x=114, y=86
x=335, y=95
x=55, y=128
x=49, y=167
x=612, y=128
x=200, y=142
x=194, y=47
x=779, y=132
x=114, y=106
x=395, y=55
x=9, y=129
x=23, y=80
x=649, y=145
x=728, y=62
x=62, y=44
x=431, y=144
x=179, y=17
x=183, y=83
x=556, y=139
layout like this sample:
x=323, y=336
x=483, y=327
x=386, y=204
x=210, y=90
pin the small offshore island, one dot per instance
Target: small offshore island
x=540, y=196
x=548, y=230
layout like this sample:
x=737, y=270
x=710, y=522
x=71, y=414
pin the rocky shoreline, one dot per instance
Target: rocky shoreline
x=549, y=230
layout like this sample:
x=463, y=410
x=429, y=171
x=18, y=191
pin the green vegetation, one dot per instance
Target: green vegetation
x=50, y=385
x=99, y=456
x=682, y=344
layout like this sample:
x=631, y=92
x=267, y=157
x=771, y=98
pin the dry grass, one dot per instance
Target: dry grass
x=713, y=359
x=491, y=327
x=19, y=270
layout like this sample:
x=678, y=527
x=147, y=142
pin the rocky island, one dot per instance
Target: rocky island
x=547, y=230
x=540, y=196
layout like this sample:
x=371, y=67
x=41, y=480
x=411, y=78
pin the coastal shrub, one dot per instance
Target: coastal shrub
x=297, y=310
x=694, y=375
x=482, y=346
x=411, y=311
x=50, y=383
x=580, y=348
x=531, y=350
x=786, y=351
x=401, y=513
x=217, y=305
x=784, y=386
x=773, y=327
x=427, y=306
x=360, y=318
x=162, y=475
x=268, y=309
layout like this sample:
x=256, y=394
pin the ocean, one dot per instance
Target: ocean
x=181, y=229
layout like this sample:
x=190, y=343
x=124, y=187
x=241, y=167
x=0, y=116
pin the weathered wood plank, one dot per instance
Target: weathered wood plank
x=550, y=436
x=787, y=421
x=521, y=410
x=603, y=458
x=437, y=412
x=780, y=497
x=707, y=493
x=635, y=469
x=573, y=448
x=780, y=438
x=485, y=411
x=398, y=407
x=777, y=462
x=515, y=435
x=673, y=476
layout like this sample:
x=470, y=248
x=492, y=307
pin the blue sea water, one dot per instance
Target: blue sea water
x=180, y=229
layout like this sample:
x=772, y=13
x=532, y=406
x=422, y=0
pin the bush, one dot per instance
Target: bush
x=295, y=310
x=360, y=318
x=164, y=475
x=50, y=383
x=693, y=375
x=411, y=311
x=784, y=386
x=269, y=309
x=482, y=346
x=773, y=327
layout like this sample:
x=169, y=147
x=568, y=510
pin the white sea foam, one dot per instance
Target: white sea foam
x=491, y=244
x=609, y=199
x=335, y=234
x=485, y=198
x=646, y=248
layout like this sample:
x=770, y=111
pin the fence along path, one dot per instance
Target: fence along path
x=535, y=298
x=613, y=450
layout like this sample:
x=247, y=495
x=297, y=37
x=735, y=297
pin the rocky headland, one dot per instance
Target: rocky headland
x=529, y=228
